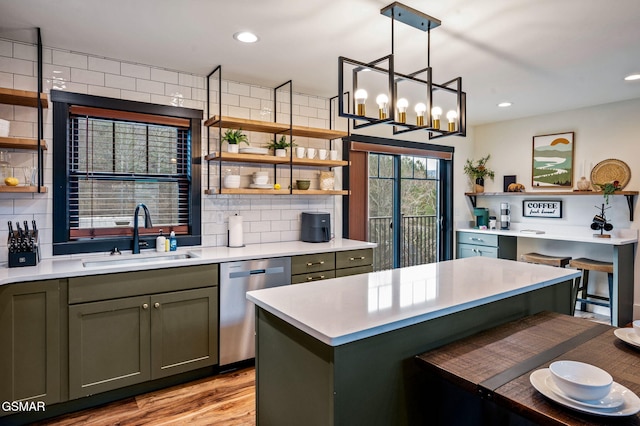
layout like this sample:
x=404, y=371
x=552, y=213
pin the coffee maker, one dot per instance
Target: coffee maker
x=482, y=217
x=505, y=216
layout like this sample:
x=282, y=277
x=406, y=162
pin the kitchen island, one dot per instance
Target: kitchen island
x=341, y=351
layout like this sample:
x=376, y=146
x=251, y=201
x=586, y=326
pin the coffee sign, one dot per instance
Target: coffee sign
x=542, y=208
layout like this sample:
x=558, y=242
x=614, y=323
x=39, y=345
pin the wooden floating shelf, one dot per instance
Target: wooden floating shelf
x=22, y=98
x=320, y=163
x=249, y=191
x=269, y=127
x=247, y=158
x=319, y=192
x=548, y=193
x=22, y=189
x=21, y=143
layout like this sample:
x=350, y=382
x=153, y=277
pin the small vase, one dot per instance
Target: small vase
x=232, y=148
x=479, y=185
x=281, y=152
x=583, y=184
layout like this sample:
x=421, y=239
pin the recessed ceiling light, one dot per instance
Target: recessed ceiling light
x=632, y=77
x=504, y=104
x=246, y=37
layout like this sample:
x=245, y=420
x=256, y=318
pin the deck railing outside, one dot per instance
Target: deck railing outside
x=419, y=241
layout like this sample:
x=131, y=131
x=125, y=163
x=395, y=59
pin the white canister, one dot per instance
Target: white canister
x=322, y=154
x=311, y=153
x=4, y=128
x=300, y=152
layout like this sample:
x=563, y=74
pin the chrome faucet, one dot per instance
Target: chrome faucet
x=147, y=224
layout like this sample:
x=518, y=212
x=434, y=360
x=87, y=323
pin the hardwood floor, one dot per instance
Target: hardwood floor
x=224, y=400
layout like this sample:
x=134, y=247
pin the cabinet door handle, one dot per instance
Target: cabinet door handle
x=357, y=258
x=145, y=306
x=156, y=305
x=476, y=239
x=315, y=278
x=315, y=263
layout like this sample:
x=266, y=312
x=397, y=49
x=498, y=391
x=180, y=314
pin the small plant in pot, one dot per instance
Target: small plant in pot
x=478, y=171
x=280, y=146
x=233, y=138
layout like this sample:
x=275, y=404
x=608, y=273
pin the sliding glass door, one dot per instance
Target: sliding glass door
x=404, y=209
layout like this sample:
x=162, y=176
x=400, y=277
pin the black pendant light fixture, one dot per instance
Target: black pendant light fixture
x=392, y=88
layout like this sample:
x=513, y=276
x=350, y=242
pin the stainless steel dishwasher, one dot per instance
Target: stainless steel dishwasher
x=237, y=314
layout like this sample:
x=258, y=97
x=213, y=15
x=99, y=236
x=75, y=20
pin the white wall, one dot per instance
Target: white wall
x=601, y=132
x=267, y=218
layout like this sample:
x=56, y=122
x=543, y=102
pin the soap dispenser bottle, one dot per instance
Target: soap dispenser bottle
x=160, y=242
x=173, y=242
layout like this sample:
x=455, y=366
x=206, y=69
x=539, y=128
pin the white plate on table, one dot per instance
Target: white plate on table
x=542, y=381
x=628, y=335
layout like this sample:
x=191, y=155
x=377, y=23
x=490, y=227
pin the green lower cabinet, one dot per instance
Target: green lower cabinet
x=30, y=335
x=121, y=342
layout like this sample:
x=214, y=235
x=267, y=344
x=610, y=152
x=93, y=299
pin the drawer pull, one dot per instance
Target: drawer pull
x=321, y=277
x=357, y=258
x=476, y=239
x=145, y=306
x=156, y=305
x=315, y=263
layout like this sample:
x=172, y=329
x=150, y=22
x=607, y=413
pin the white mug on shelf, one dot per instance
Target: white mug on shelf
x=333, y=155
x=311, y=153
x=322, y=154
x=300, y=152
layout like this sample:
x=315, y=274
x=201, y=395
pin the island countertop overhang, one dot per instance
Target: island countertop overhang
x=343, y=310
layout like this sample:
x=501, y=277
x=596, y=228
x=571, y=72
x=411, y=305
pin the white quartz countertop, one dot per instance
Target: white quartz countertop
x=343, y=310
x=74, y=266
x=580, y=234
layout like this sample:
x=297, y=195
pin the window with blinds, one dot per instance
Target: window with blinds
x=109, y=155
x=116, y=164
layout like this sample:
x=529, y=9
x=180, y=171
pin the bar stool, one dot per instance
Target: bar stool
x=585, y=265
x=544, y=259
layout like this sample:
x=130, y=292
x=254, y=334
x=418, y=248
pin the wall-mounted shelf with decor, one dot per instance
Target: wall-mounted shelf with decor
x=629, y=195
x=269, y=127
x=21, y=143
x=22, y=189
x=22, y=98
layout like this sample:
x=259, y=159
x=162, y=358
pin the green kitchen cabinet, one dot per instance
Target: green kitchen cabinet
x=354, y=262
x=128, y=340
x=31, y=323
x=487, y=245
x=322, y=266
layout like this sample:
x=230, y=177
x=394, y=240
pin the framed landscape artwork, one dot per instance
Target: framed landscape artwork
x=552, y=164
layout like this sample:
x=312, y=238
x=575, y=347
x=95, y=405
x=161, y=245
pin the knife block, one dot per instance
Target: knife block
x=24, y=258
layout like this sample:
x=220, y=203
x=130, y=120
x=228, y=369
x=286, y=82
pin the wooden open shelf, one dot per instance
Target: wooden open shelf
x=21, y=143
x=249, y=191
x=319, y=192
x=319, y=163
x=22, y=98
x=247, y=158
x=21, y=189
x=268, y=127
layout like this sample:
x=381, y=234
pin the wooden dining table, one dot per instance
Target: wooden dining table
x=485, y=378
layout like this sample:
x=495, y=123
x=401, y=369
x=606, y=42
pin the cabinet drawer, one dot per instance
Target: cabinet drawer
x=317, y=276
x=354, y=271
x=313, y=263
x=477, y=238
x=126, y=284
x=353, y=258
x=470, y=250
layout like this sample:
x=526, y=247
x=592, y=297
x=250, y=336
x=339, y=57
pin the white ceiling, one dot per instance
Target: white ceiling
x=542, y=55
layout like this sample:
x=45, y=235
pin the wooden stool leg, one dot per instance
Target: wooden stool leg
x=610, y=280
x=574, y=295
x=585, y=285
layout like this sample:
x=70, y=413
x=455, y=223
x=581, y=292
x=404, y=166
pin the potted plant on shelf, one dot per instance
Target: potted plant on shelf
x=608, y=188
x=280, y=146
x=478, y=171
x=233, y=138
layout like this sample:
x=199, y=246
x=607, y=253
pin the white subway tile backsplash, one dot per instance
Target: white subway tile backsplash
x=191, y=80
x=238, y=89
x=259, y=226
x=164, y=76
x=6, y=48
x=104, y=65
x=73, y=60
x=230, y=99
x=24, y=82
x=260, y=93
x=270, y=237
x=75, y=87
x=16, y=66
x=137, y=71
x=120, y=82
x=149, y=86
x=108, y=92
x=176, y=90
x=135, y=96
x=6, y=80
x=300, y=99
x=87, y=77
x=249, y=102
x=25, y=51
x=239, y=112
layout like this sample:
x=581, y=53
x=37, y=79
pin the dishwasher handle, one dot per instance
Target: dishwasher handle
x=249, y=272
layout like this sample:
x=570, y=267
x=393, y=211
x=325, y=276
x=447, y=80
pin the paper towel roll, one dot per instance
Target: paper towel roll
x=235, y=231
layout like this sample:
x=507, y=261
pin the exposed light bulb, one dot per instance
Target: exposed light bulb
x=246, y=37
x=402, y=105
x=361, y=98
x=382, y=101
x=504, y=104
x=436, y=112
x=451, y=116
x=420, y=110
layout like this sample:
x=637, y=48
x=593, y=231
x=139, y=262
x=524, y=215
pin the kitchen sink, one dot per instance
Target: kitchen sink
x=136, y=259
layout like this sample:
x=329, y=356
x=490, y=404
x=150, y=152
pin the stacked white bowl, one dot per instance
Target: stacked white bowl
x=260, y=178
x=584, y=382
x=232, y=181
